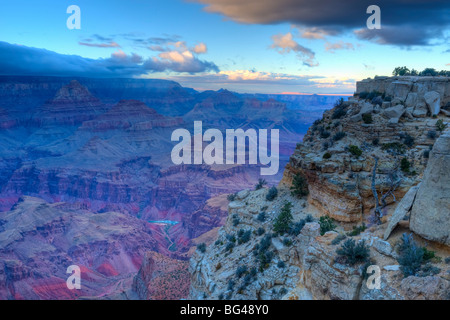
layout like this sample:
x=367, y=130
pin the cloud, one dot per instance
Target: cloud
x=200, y=48
x=316, y=33
x=407, y=36
x=111, y=44
x=448, y=64
x=285, y=44
x=429, y=17
x=21, y=60
x=340, y=45
x=253, y=81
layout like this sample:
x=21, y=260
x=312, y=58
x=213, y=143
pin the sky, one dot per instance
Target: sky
x=247, y=46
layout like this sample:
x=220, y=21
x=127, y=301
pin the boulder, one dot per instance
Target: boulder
x=366, y=108
x=430, y=213
x=393, y=112
x=402, y=209
x=411, y=100
x=433, y=100
x=420, y=110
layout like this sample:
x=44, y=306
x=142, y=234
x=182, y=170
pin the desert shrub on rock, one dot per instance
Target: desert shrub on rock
x=326, y=224
x=272, y=193
x=299, y=186
x=352, y=253
x=283, y=221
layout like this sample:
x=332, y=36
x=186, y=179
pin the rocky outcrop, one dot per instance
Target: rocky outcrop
x=374, y=142
x=396, y=125
x=303, y=266
x=71, y=105
x=430, y=214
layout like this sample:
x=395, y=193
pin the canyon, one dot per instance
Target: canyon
x=86, y=178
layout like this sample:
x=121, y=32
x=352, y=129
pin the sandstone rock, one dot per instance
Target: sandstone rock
x=242, y=194
x=402, y=209
x=411, y=100
x=383, y=247
x=394, y=267
x=366, y=108
x=420, y=110
x=430, y=214
x=426, y=288
x=393, y=112
x=433, y=100
x=399, y=89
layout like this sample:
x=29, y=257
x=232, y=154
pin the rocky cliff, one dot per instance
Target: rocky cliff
x=367, y=164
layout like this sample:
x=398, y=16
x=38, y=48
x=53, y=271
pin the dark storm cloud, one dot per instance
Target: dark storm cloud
x=428, y=17
x=21, y=60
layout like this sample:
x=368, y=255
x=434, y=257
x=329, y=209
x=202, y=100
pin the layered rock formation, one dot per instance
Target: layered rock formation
x=430, y=213
x=377, y=142
x=340, y=182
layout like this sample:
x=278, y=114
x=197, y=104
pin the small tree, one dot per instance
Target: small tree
x=283, y=221
x=272, y=193
x=326, y=224
x=354, y=253
x=261, y=183
x=440, y=125
x=401, y=71
x=299, y=186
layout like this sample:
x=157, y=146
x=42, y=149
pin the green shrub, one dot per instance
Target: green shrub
x=324, y=134
x=299, y=186
x=353, y=253
x=410, y=256
x=326, y=224
x=338, y=239
x=201, y=247
x=297, y=228
x=375, y=141
x=426, y=154
x=428, y=254
x=283, y=221
x=229, y=246
x=408, y=140
x=309, y=218
x=261, y=216
x=363, y=95
x=432, y=134
x=235, y=220
x=339, y=136
x=405, y=165
x=357, y=230
x=440, y=125
x=355, y=150
x=340, y=110
x=240, y=271
x=281, y=264
x=244, y=236
x=261, y=183
x=327, y=155
x=260, y=231
x=367, y=118
x=272, y=193
x=287, y=242
x=231, y=197
x=393, y=147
